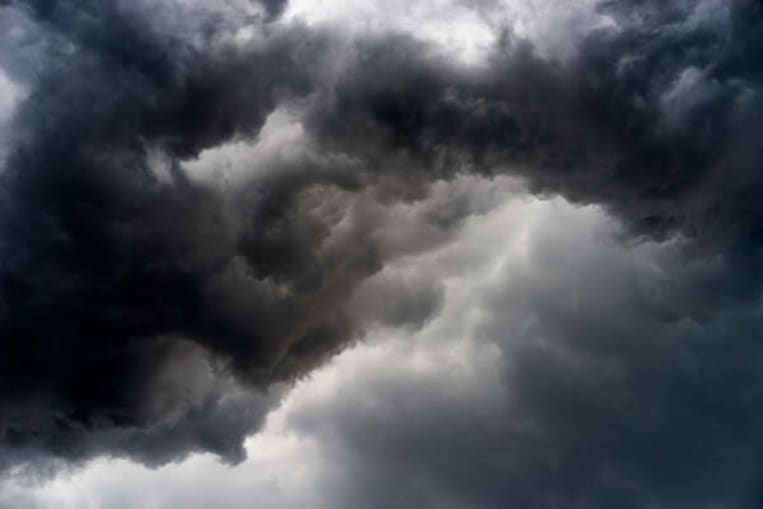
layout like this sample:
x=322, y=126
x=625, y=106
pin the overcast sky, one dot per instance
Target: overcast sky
x=406, y=254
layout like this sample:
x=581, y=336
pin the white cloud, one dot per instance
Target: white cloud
x=466, y=30
x=280, y=142
x=453, y=25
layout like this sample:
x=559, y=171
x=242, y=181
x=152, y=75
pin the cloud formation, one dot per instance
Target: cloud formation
x=200, y=204
x=556, y=373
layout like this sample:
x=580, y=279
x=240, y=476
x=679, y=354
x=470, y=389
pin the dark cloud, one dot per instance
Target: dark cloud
x=102, y=261
x=111, y=271
x=655, y=119
x=117, y=266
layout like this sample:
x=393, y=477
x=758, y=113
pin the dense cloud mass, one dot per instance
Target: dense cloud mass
x=564, y=371
x=557, y=373
x=201, y=203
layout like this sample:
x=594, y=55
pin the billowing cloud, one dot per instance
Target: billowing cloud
x=561, y=370
x=566, y=369
x=201, y=204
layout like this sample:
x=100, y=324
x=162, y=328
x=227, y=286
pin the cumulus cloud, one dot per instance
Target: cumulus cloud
x=201, y=204
x=561, y=370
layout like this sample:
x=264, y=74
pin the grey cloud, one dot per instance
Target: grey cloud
x=643, y=124
x=568, y=366
x=576, y=387
x=103, y=260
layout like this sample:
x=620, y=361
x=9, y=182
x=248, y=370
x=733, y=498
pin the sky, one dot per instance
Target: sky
x=405, y=254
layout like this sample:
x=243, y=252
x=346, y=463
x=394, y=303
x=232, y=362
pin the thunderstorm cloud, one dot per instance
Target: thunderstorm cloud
x=440, y=253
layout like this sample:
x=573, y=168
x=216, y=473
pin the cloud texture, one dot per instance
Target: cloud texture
x=552, y=376
x=201, y=204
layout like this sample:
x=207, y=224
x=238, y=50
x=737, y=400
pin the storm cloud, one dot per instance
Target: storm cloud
x=561, y=370
x=200, y=205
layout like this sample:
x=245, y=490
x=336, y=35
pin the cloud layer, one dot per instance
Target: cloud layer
x=201, y=204
x=556, y=373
